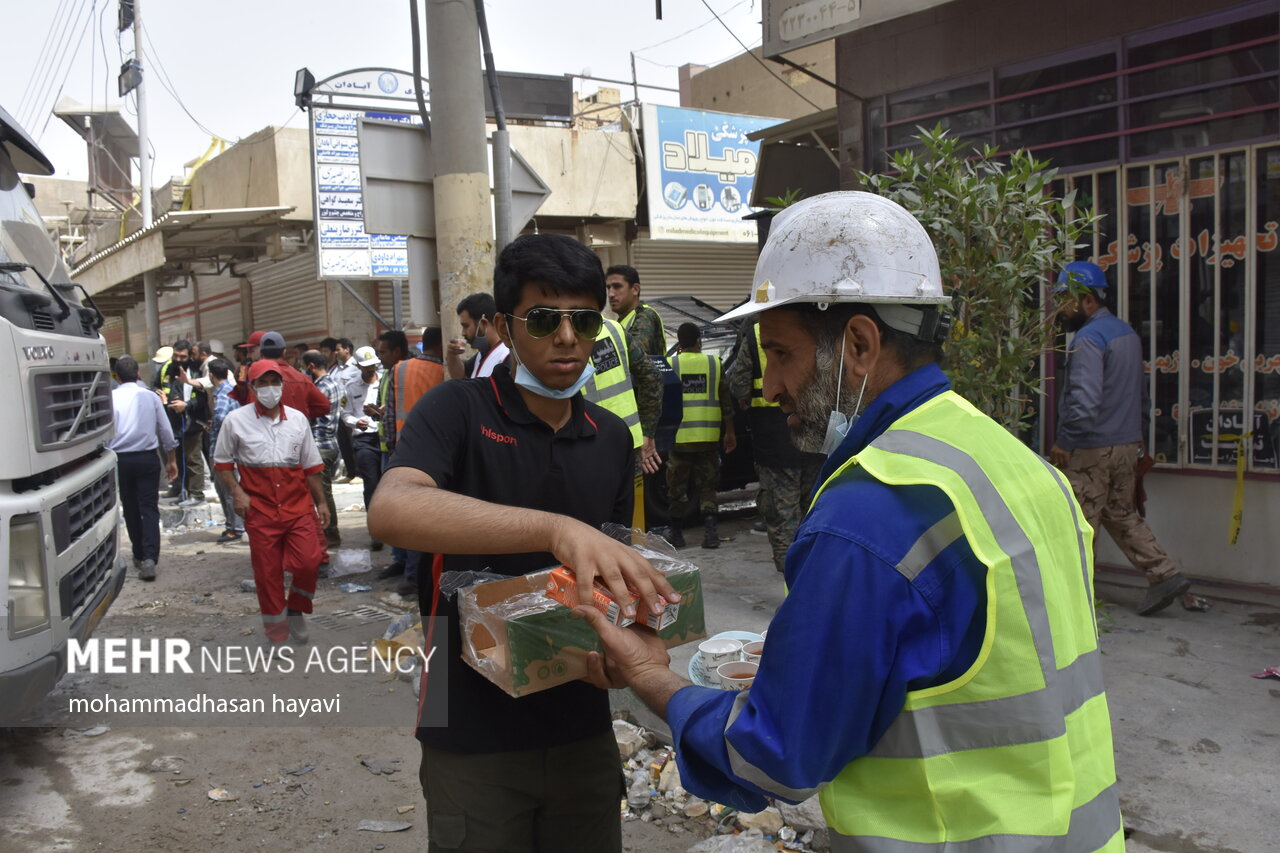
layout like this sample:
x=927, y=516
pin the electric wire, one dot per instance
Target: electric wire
x=166, y=82
x=688, y=31
x=762, y=63
x=29, y=91
x=47, y=71
x=71, y=61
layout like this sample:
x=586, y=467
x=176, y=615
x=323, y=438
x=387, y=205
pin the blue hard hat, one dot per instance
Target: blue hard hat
x=1081, y=274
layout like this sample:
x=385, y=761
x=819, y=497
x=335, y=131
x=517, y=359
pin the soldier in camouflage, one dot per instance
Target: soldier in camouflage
x=623, y=283
x=786, y=475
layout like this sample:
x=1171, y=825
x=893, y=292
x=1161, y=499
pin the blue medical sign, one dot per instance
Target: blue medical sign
x=701, y=168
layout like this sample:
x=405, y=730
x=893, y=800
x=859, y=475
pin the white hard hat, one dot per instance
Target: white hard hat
x=366, y=357
x=845, y=247
x=162, y=355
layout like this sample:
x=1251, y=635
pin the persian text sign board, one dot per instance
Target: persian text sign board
x=700, y=170
x=343, y=248
x=1230, y=427
x=789, y=24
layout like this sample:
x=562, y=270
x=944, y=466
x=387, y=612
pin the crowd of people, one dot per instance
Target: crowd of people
x=942, y=567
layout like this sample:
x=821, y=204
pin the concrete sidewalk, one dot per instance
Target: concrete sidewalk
x=1197, y=740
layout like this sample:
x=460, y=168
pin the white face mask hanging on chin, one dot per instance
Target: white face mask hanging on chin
x=525, y=379
x=838, y=425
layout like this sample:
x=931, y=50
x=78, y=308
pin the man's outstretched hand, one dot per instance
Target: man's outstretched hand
x=630, y=653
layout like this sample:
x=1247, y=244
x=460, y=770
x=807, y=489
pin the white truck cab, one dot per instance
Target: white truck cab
x=60, y=567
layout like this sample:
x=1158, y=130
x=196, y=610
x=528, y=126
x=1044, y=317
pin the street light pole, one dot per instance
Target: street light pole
x=150, y=283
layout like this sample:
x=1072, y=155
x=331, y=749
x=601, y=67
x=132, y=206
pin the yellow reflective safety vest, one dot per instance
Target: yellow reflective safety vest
x=700, y=390
x=757, y=371
x=1016, y=754
x=611, y=386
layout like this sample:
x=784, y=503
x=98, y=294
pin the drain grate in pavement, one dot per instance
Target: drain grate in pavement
x=329, y=622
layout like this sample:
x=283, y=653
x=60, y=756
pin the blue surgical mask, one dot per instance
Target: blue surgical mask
x=838, y=426
x=525, y=379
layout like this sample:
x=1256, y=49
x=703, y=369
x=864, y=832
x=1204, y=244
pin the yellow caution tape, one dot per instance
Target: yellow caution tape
x=1237, y=502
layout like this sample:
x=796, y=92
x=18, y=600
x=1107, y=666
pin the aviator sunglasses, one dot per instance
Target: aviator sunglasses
x=541, y=322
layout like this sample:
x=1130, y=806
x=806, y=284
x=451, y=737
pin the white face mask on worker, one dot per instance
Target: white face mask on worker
x=269, y=396
x=838, y=425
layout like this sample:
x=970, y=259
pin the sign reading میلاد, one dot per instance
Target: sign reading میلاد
x=700, y=173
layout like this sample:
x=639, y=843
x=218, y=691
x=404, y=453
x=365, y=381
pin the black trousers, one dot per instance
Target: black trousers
x=562, y=798
x=347, y=449
x=138, y=473
x=368, y=463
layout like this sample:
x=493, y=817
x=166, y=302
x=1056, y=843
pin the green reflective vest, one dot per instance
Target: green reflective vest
x=384, y=383
x=610, y=386
x=700, y=389
x=757, y=371
x=1014, y=755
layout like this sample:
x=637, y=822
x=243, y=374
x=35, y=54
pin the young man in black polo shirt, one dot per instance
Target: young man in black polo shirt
x=514, y=473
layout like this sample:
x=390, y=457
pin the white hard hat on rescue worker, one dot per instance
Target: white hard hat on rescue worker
x=851, y=247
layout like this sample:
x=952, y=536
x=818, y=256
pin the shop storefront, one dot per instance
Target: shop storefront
x=1171, y=133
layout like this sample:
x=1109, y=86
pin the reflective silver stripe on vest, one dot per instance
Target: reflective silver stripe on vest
x=301, y=592
x=933, y=542
x=273, y=617
x=744, y=769
x=1008, y=534
x=1075, y=518
x=593, y=391
x=1027, y=718
x=1092, y=826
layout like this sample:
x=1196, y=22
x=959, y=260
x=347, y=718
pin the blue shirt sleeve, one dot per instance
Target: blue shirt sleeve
x=832, y=679
x=851, y=638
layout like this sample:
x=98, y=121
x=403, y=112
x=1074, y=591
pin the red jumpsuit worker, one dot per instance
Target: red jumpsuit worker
x=279, y=496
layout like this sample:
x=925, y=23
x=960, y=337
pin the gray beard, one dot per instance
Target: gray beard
x=815, y=403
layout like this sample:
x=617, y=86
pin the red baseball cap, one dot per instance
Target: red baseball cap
x=255, y=339
x=263, y=366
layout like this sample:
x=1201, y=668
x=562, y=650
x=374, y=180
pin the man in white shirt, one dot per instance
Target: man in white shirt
x=475, y=315
x=142, y=428
x=361, y=392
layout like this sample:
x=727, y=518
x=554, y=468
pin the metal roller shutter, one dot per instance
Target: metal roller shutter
x=717, y=273
x=220, y=310
x=289, y=299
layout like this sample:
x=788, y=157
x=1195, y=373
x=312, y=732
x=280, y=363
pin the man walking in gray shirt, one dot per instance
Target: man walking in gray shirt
x=142, y=428
x=1101, y=423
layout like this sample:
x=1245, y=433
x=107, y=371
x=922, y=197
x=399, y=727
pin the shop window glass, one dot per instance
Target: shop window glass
x=1058, y=100
x=1140, y=303
x=1199, y=256
x=1208, y=69
x=1266, y=360
x=1166, y=213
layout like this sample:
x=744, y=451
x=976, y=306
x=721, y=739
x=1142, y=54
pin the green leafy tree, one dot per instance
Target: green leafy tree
x=1001, y=236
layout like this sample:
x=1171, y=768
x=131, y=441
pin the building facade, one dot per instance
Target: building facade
x=1164, y=117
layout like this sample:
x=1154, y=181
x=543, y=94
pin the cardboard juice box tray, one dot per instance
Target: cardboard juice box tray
x=523, y=641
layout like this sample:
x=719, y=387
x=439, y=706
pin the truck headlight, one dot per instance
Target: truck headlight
x=28, y=592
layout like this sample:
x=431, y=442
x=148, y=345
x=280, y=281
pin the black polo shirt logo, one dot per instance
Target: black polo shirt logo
x=497, y=436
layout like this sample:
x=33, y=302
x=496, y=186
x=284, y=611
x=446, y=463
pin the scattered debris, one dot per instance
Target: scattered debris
x=382, y=826
x=222, y=795
x=696, y=807
x=165, y=764
x=630, y=738
x=248, y=585
x=1269, y=672
x=306, y=768
x=751, y=841
x=180, y=782
x=768, y=821
x=1198, y=603
x=354, y=587
x=381, y=766
x=93, y=732
x=404, y=809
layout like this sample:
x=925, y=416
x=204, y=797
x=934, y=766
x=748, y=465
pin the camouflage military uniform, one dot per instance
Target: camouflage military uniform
x=692, y=473
x=1103, y=481
x=646, y=325
x=646, y=383
x=786, y=475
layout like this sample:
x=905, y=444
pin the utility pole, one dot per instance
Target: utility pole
x=150, y=283
x=464, y=231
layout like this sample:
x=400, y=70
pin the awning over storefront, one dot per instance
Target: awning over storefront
x=174, y=245
x=797, y=155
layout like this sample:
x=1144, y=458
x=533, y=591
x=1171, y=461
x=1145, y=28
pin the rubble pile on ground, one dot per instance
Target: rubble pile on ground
x=655, y=795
